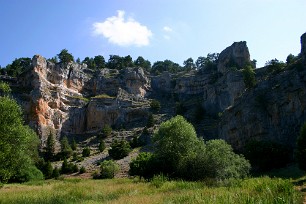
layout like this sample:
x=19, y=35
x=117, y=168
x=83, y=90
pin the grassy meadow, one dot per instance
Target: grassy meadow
x=252, y=190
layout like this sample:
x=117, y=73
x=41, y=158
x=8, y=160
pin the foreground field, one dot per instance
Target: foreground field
x=256, y=190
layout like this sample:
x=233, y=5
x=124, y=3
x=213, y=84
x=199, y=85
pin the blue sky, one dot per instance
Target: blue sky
x=154, y=29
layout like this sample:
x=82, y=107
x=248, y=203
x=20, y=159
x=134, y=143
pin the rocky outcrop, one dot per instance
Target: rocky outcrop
x=273, y=111
x=59, y=98
x=237, y=55
x=72, y=99
x=303, y=50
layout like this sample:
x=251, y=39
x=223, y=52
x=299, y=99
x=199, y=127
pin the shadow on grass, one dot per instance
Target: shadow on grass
x=290, y=172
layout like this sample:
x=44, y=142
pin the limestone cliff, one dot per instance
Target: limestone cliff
x=68, y=99
x=71, y=99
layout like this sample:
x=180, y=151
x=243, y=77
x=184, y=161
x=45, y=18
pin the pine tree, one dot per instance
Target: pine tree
x=50, y=147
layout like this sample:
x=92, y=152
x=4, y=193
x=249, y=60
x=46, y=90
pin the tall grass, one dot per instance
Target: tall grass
x=257, y=190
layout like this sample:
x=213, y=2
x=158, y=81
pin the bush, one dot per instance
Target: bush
x=68, y=167
x=151, y=121
x=109, y=169
x=155, y=105
x=86, y=152
x=300, y=153
x=119, y=149
x=101, y=146
x=267, y=155
x=82, y=170
x=66, y=150
x=106, y=131
x=73, y=145
x=142, y=165
x=56, y=173
x=249, y=77
x=175, y=140
x=136, y=142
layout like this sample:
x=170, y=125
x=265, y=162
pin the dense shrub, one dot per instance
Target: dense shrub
x=86, y=152
x=143, y=165
x=119, y=149
x=82, y=170
x=155, y=105
x=101, y=146
x=151, y=121
x=180, y=154
x=300, y=153
x=73, y=145
x=68, y=167
x=266, y=155
x=18, y=145
x=175, y=140
x=136, y=142
x=66, y=150
x=109, y=168
x=249, y=77
x=106, y=131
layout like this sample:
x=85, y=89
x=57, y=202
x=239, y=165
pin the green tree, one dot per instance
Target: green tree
x=48, y=170
x=65, y=57
x=141, y=62
x=18, y=66
x=101, y=146
x=155, y=105
x=301, y=148
x=5, y=89
x=223, y=163
x=128, y=61
x=90, y=63
x=249, y=77
x=109, y=168
x=176, y=140
x=18, y=145
x=50, y=147
x=189, y=64
x=106, y=130
x=151, y=121
x=54, y=60
x=119, y=149
x=209, y=62
x=86, y=152
x=142, y=165
x=73, y=145
x=55, y=173
x=99, y=62
x=115, y=62
x=66, y=150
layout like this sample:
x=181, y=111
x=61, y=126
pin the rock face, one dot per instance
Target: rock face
x=303, y=50
x=72, y=99
x=59, y=101
x=237, y=55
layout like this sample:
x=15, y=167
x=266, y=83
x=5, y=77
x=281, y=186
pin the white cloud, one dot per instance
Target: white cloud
x=123, y=32
x=167, y=29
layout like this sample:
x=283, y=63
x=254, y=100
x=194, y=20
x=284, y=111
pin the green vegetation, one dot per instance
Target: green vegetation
x=86, y=152
x=249, y=77
x=80, y=97
x=108, y=169
x=119, y=149
x=106, y=130
x=68, y=167
x=103, y=96
x=66, y=150
x=5, y=89
x=155, y=105
x=101, y=146
x=208, y=63
x=259, y=190
x=65, y=57
x=50, y=147
x=73, y=145
x=18, y=66
x=301, y=148
x=18, y=145
x=180, y=154
x=82, y=170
